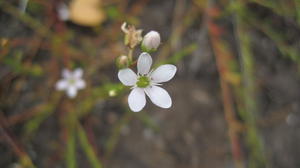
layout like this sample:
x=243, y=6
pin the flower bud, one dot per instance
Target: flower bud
x=122, y=61
x=151, y=41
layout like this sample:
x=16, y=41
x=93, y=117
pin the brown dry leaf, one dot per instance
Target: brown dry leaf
x=86, y=12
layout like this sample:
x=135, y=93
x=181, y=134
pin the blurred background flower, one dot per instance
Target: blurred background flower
x=86, y=12
x=72, y=82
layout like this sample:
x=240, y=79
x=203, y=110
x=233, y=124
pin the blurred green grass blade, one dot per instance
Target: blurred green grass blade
x=98, y=94
x=178, y=56
x=29, y=21
x=297, y=5
x=33, y=124
x=280, y=7
x=88, y=148
x=278, y=36
x=113, y=13
x=14, y=61
x=148, y=121
x=71, y=150
x=26, y=162
x=247, y=93
x=46, y=110
x=116, y=132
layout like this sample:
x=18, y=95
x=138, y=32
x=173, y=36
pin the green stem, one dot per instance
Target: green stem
x=130, y=55
x=87, y=148
x=248, y=110
x=71, y=150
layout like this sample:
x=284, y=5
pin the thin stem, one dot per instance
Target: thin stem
x=224, y=58
x=130, y=53
x=18, y=150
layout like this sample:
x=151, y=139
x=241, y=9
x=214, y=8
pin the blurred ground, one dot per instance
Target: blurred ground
x=191, y=134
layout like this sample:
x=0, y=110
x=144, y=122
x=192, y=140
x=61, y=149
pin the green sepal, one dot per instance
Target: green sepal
x=145, y=49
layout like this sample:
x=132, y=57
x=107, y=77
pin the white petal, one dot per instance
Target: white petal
x=159, y=96
x=127, y=77
x=61, y=84
x=163, y=73
x=66, y=73
x=72, y=92
x=137, y=99
x=77, y=73
x=80, y=84
x=144, y=63
x=151, y=40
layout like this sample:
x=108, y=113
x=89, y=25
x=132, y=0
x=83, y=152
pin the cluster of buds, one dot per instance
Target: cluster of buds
x=133, y=37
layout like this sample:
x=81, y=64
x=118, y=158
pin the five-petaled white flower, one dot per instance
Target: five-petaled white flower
x=71, y=82
x=146, y=81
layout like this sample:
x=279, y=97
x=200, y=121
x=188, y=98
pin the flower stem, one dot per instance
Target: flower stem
x=130, y=53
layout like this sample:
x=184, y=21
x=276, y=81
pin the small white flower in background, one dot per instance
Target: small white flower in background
x=72, y=82
x=151, y=41
x=63, y=12
x=146, y=81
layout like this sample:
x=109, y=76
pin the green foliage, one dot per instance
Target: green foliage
x=178, y=56
x=113, y=13
x=71, y=150
x=14, y=61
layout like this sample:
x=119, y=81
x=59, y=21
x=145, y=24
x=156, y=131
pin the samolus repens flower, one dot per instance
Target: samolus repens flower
x=72, y=82
x=151, y=41
x=147, y=82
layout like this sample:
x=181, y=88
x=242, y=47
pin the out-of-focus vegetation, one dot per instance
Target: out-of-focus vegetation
x=42, y=127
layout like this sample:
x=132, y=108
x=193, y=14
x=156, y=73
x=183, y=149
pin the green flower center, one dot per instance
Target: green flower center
x=143, y=82
x=71, y=81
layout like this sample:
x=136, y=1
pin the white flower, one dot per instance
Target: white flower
x=151, y=41
x=71, y=82
x=146, y=81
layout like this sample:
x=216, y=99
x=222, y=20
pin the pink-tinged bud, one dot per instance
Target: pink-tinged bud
x=151, y=41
